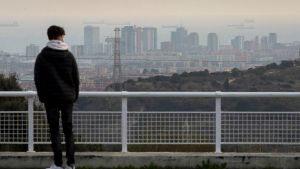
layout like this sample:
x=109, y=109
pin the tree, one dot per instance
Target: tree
x=10, y=83
x=226, y=85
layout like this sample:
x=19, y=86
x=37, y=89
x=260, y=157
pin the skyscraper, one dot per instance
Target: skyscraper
x=77, y=50
x=212, y=42
x=32, y=50
x=128, y=40
x=192, y=40
x=91, y=40
x=272, y=40
x=166, y=46
x=238, y=43
x=264, y=43
x=109, y=46
x=178, y=38
x=138, y=40
x=249, y=45
x=149, y=39
x=256, y=43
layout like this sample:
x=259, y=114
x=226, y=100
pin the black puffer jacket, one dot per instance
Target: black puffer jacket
x=56, y=76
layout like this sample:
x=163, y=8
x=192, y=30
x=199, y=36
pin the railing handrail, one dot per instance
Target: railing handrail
x=124, y=95
x=161, y=94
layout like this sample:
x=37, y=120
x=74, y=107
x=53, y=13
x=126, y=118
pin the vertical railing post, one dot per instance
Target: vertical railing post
x=218, y=123
x=124, y=121
x=30, y=124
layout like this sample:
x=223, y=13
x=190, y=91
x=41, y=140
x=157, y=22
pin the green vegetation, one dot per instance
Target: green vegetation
x=274, y=77
x=10, y=104
x=10, y=83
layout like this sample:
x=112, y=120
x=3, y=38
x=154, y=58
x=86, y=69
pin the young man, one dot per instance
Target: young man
x=57, y=82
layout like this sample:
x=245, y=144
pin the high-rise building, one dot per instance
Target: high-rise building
x=166, y=46
x=149, y=39
x=91, y=40
x=178, y=38
x=264, y=43
x=192, y=40
x=212, y=42
x=32, y=50
x=77, y=50
x=272, y=40
x=99, y=49
x=256, y=43
x=238, y=43
x=249, y=45
x=128, y=40
x=109, y=46
x=138, y=40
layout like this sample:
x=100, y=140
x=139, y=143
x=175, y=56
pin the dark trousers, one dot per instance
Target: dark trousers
x=66, y=109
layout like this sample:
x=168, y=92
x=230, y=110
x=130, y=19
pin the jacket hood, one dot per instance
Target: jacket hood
x=57, y=45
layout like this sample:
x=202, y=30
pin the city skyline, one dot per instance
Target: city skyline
x=181, y=39
x=14, y=39
x=31, y=18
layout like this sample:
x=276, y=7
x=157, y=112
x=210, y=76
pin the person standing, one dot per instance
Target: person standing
x=57, y=82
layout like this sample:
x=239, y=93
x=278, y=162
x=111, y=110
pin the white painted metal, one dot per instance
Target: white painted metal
x=124, y=124
x=163, y=94
x=125, y=127
x=30, y=124
x=218, y=125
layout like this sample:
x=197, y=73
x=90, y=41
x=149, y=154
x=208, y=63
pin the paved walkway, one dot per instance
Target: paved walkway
x=26, y=160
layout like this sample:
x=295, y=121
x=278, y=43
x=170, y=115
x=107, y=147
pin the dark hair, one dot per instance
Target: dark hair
x=54, y=32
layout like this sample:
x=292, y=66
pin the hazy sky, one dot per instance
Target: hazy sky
x=152, y=8
x=202, y=16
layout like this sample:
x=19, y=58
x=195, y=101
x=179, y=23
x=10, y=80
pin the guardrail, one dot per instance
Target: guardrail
x=218, y=127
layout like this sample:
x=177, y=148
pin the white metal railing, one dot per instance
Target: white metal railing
x=218, y=127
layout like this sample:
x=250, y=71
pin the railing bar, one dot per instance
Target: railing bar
x=258, y=112
x=162, y=94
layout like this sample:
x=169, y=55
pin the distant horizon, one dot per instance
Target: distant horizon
x=15, y=39
x=201, y=16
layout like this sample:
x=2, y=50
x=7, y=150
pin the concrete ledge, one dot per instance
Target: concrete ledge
x=24, y=160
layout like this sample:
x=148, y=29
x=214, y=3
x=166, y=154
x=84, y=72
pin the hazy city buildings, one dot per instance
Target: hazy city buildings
x=248, y=45
x=256, y=43
x=212, y=42
x=128, y=40
x=149, y=39
x=141, y=56
x=166, y=46
x=238, y=43
x=251, y=45
x=192, y=40
x=32, y=50
x=109, y=46
x=137, y=40
x=272, y=40
x=264, y=43
x=77, y=50
x=92, y=44
x=181, y=41
x=178, y=38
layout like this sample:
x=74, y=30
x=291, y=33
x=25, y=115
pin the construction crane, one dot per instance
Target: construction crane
x=106, y=23
x=246, y=24
x=170, y=26
x=13, y=24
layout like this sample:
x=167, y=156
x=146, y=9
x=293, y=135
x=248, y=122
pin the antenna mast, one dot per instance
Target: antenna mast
x=117, y=73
